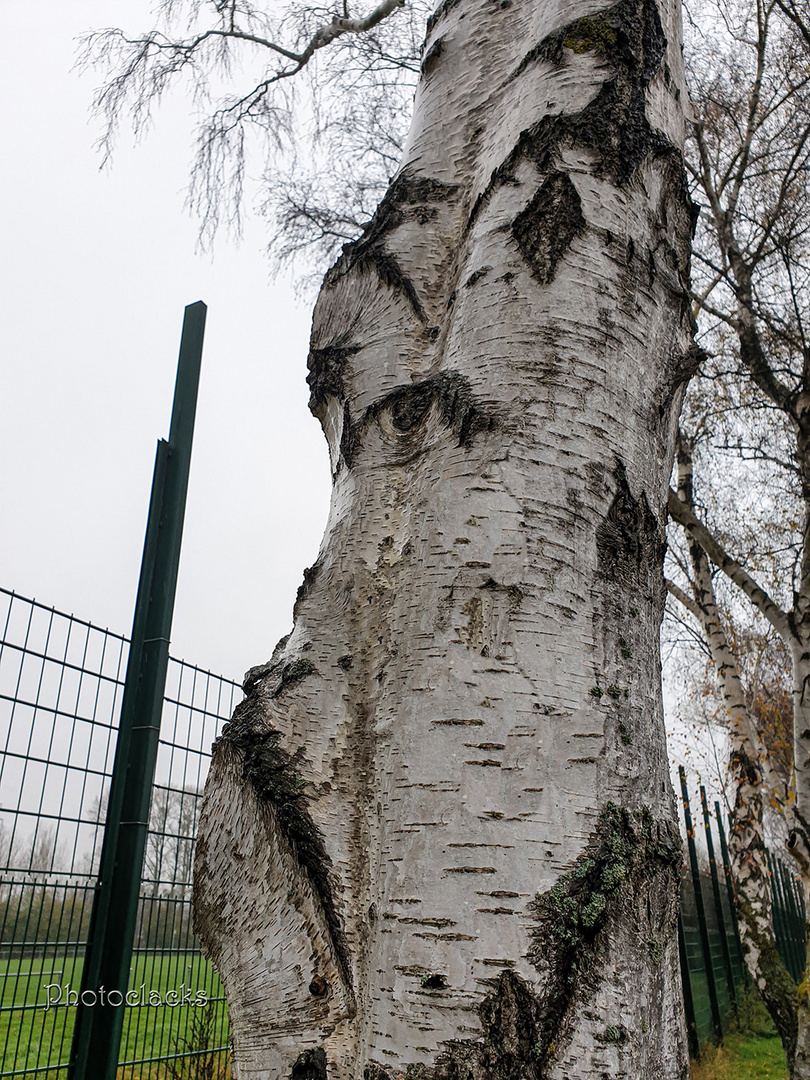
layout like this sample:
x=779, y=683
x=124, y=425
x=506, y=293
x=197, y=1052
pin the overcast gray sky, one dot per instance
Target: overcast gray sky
x=97, y=268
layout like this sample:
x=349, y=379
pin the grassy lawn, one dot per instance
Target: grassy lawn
x=753, y=1052
x=743, y=1057
x=32, y=1037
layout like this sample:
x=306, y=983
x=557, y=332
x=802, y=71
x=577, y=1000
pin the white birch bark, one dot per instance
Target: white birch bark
x=438, y=837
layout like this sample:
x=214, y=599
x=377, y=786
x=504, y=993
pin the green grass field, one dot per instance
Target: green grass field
x=752, y=1052
x=743, y=1057
x=33, y=1037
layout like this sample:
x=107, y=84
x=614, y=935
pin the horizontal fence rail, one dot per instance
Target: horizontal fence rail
x=61, y=682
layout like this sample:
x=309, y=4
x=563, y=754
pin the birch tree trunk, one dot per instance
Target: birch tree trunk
x=792, y=627
x=753, y=779
x=439, y=836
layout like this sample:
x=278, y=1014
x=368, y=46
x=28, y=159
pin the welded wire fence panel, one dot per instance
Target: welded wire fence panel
x=61, y=683
x=707, y=970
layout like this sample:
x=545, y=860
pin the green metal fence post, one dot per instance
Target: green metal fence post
x=688, y=1000
x=718, y=901
x=714, y=1004
x=99, y=1020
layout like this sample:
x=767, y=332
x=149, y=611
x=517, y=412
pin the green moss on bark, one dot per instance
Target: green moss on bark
x=522, y=1030
x=628, y=851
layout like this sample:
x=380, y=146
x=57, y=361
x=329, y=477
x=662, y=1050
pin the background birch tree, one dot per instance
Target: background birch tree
x=439, y=836
x=748, y=409
x=754, y=781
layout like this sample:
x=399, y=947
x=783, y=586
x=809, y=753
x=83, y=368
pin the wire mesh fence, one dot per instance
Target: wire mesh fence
x=711, y=956
x=61, y=682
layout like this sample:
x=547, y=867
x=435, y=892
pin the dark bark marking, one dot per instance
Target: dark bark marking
x=311, y=1065
x=625, y=853
x=545, y=229
x=439, y=13
x=628, y=34
x=293, y=673
x=629, y=542
x=326, y=370
x=374, y=1072
x=391, y=274
x=274, y=774
x=408, y=407
x=510, y=1021
x=409, y=196
x=682, y=367
x=348, y=436
x=614, y=125
x=433, y=982
x=520, y=1029
x=431, y=57
x=310, y=577
x=476, y=276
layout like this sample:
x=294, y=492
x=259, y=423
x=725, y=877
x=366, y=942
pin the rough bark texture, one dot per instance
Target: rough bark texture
x=438, y=836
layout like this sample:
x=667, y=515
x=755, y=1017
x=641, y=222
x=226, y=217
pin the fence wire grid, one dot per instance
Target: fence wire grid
x=61, y=684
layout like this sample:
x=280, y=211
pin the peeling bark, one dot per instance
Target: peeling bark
x=467, y=714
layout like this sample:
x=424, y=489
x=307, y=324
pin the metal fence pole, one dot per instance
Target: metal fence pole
x=99, y=1020
x=718, y=901
x=688, y=1000
x=714, y=1004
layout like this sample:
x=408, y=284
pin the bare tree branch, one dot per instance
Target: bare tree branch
x=730, y=567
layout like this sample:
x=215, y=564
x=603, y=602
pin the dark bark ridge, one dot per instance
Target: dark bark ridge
x=275, y=776
x=408, y=407
x=630, y=542
x=627, y=852
x=326, y=369
x=522, y=1031
x=410, y=196
x=311, y=1065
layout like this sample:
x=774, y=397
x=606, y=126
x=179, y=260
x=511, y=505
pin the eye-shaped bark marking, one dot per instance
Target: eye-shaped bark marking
x=546, y=227
x=406, y=409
